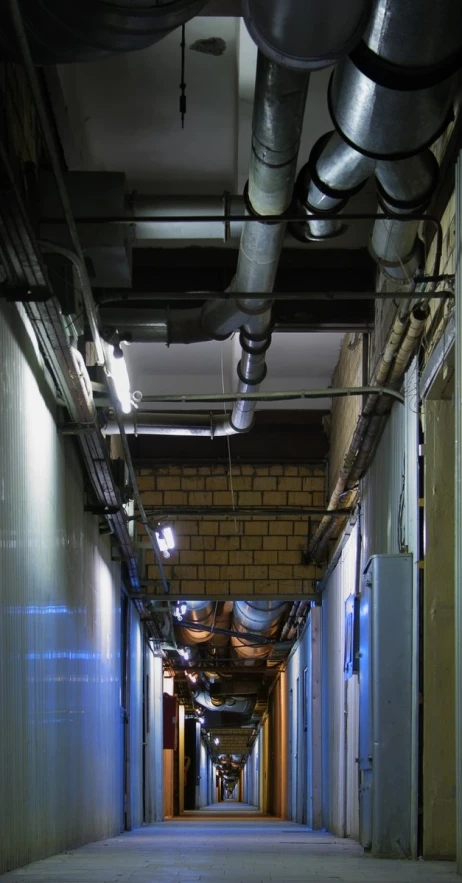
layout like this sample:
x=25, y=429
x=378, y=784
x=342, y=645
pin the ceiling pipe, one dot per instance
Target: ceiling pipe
x=259, y=617
x=280, y=97
x=88, y=30
x=226, y=703
x=404, y=187
x=400, y=347
x=307, y=35
x=402, y=93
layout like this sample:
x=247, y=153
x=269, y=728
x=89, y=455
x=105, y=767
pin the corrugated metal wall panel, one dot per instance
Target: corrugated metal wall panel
x=338, y=733
x=136, y=721
x=60, y=727
x=382, y=489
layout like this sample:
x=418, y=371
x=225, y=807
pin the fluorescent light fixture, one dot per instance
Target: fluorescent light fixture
x=119, y=373
x=166, y=542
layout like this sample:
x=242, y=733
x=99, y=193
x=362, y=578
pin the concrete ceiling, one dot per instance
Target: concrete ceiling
x=122, y=114
x=295, y=361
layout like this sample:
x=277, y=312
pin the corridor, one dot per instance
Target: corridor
x=241, y=850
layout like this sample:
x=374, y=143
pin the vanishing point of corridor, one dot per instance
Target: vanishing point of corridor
x=229, y=841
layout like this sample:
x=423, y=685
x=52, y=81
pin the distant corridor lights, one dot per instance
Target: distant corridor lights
x=119, y=373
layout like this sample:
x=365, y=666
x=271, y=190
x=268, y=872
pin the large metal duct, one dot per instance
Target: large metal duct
x=256, y=617
x=336, y=171
x=200, y=612
x=393, y=95
x=225, y=703
x=280, y=97
x=88, y=30
x=390, y=99
x=305, y=35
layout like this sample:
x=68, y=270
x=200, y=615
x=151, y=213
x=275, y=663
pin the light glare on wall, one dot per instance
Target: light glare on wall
x=119, y=373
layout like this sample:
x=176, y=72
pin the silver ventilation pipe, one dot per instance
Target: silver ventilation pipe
x=390, y=99
x=336, y=171
x=280, y=97
x=256, y=617
x=200, y=612
x=226, y=703
x=393, y=95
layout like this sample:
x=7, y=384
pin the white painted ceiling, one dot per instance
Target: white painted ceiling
x=122, y=114
x=294, y=360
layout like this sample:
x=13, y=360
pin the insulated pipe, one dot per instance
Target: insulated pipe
x=369, y=423
x=258, y=617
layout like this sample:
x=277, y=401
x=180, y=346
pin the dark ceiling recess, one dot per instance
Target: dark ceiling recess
x=213, y=269
x=277, y=437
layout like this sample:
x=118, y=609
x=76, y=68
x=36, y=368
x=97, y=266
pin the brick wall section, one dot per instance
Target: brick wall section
x=345, y=411
x=235, y=555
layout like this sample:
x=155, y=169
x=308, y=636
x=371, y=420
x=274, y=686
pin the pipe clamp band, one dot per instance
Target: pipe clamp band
x=399, y=78
x=266, y=219
x=255, y=381
x=312, y=163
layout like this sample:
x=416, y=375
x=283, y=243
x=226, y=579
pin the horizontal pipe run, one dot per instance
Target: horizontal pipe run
x=249, y=636
x=129, y=296
x=292, y=395
x=212, y=511
x=248, y=219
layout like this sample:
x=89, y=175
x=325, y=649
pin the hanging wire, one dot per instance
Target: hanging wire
x=228, y=444
x=183, y=84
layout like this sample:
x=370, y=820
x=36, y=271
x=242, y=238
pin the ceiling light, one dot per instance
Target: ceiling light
x=119, y=373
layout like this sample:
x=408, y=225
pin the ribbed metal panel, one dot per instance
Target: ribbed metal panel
x=60, y=726
x=135, y=818
x=339, y=790
x=383, y=490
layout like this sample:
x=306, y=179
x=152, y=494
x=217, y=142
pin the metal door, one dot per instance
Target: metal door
x=365, y=711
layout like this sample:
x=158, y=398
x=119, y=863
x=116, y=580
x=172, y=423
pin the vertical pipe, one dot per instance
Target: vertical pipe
x=458, y=517
x=412, y=512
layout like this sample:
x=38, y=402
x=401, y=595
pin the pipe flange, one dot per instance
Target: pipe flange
x=265, y=342
x=255, y=381
x=398, y=77
x=388, y=157
x=387, y=205
x=266, y=219
x=311, y=169
x=419, y=203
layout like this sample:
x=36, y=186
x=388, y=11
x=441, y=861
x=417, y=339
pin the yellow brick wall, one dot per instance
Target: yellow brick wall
x=345, y=411
x=232, y=553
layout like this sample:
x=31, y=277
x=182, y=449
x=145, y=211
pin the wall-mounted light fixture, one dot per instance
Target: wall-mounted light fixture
x=166, y=541
x=216, y=740
x=119, y=373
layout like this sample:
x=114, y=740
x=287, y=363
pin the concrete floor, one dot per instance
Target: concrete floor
x=235, y=844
